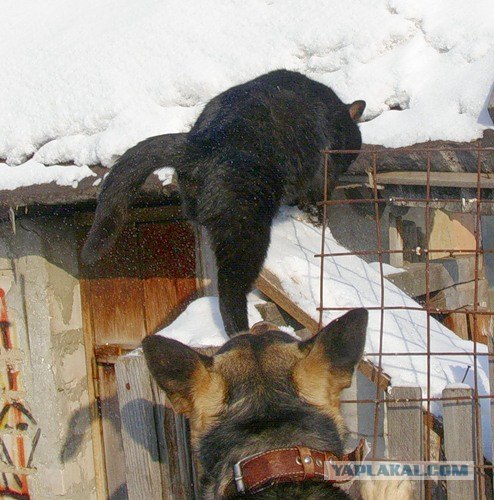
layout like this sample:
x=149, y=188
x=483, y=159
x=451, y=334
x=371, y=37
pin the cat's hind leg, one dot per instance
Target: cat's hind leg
x=239, y=259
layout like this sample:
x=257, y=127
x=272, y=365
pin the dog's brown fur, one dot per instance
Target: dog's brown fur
x=260, y=392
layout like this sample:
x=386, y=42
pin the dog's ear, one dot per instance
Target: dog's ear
x=356, y=110
x=342, y=342
x=177, y=368
x=329, y=359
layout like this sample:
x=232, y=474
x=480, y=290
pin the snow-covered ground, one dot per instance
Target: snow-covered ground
x=351, y=282
x=83, y=80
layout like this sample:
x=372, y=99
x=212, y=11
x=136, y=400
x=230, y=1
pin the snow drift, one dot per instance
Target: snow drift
x=85, y=80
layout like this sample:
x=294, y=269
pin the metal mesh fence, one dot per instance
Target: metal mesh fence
x=427, y=190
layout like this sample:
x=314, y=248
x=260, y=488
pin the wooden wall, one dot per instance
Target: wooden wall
x=140, y=286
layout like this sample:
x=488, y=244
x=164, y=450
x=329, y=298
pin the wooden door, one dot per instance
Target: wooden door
x=144, y=282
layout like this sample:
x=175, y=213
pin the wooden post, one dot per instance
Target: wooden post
x=92, y=385
x=459, y=438
x=405, y=427
x=366, y=389
x=112, y=433
x=187, y=467
x=205, y=263
x=270, y=312
x=395, y=241
x=139, y=437
x=178, y=470
x=458, y=322
x=161, y=411
x=491, y=380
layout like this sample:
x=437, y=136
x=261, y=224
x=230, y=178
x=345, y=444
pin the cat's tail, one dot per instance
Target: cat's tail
x=121, y=186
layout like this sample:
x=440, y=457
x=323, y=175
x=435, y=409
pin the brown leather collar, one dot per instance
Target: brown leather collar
x=282, y=465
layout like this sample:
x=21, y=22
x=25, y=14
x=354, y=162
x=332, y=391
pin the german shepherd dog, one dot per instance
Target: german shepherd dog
x=262, y=392
x=253, y=147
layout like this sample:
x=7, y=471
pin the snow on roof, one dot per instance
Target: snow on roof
x=211, y=331
x=85, y=80
x=351, y=282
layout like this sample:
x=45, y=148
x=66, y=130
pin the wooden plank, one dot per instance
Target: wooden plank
x=405, y=428
x=439, y=179
x=395, y=235
x=443, y=273
x=140, y=442
x=117, y=307
x=271, y=313
x=461, y=295
x=491, y=380
x=115, y=293
x=159, y=302
x=185, y=456
x=107, y=354
x=369, y=370
x=162, y=408
x=458, y=323
x=178, y=489
x=186, y=290
x=469, y=325
x=433, y=436
x=480, y=326
x=146, y=214
x=112, y=434
x=168, y=270
x=270, y=286
x=178, y=474
x=410, y=234
x=206, y=270
x=143, y=282
x=179, y=455
x=92, y=383
x=459, y=438
x=468, y=206
x=366, y=415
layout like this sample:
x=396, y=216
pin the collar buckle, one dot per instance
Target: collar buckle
x=238, y=477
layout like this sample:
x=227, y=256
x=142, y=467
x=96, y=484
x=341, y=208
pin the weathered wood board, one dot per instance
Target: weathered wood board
x=443, y=273
x=405, y=429
x=460, y=438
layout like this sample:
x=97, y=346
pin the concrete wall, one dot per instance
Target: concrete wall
x=38, y=264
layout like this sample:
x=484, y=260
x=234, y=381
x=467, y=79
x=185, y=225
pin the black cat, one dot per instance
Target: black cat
x=254, y=147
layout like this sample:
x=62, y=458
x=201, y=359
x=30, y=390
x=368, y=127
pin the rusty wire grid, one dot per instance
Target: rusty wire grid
x=484, y=155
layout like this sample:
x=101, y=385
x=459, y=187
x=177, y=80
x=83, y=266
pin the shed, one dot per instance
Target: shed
x=67, y=324
x=79, y=93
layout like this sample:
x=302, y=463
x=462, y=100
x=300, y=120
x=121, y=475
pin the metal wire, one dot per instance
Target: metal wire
x=429, y=202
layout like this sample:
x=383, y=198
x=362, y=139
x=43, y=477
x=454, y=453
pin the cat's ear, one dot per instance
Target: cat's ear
x=356, y=110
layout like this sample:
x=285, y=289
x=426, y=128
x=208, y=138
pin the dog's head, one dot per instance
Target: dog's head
x=255, y=370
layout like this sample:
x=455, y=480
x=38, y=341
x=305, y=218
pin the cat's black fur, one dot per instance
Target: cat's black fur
x=254, y=147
